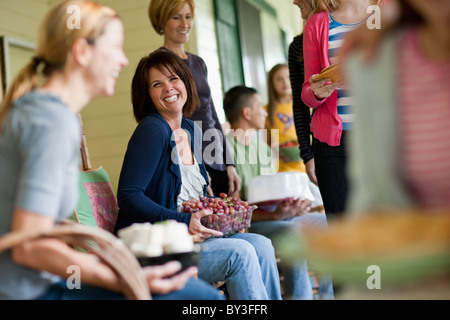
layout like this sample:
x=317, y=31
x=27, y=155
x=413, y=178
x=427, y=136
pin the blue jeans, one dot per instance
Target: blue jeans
x=194, y=289
x=247, y=264
x=297, y=282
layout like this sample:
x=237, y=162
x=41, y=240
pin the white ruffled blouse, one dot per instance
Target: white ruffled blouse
x=192, y=183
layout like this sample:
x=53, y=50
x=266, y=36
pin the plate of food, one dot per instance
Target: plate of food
x=290, y=150
x=156, y=244
x=272, y=189
x=403, y=245
x=187, y=259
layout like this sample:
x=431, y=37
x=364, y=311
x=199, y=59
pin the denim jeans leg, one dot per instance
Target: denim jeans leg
x=60, y=291
x=267, y=261
x=236, y=262
x=326, y=291
x=318, y=220
x=296, y=279
x=195, y=289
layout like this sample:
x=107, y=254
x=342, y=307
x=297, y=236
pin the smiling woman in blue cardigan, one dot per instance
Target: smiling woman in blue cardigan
x=163, y=167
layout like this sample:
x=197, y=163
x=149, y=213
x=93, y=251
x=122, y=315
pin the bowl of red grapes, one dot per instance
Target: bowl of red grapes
x=229, y=214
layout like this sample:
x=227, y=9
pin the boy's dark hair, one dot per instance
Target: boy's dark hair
x=167, y=63
x=235, y=100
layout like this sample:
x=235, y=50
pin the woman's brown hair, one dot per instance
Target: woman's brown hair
x=168, y=63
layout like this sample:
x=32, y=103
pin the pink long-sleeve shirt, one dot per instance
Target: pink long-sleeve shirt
x=326, y=124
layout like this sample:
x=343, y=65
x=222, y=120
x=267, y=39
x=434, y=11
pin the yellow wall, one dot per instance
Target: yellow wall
x=20, y=23
x=288, y=16
x=108, y=122
x=21, y=18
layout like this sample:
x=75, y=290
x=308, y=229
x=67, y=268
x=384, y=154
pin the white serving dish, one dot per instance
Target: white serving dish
x=279, y=186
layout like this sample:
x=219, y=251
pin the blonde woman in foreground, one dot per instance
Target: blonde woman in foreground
x=39, y=158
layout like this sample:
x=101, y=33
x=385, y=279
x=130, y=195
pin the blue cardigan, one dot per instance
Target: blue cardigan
x=150, y=181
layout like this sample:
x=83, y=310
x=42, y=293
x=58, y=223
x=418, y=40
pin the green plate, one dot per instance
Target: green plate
x=292, y=153
x=391, y=272
x=394, y=270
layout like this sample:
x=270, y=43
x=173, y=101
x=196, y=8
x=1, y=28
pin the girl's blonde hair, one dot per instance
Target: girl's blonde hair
x=332, y=5
x=160, y=11
x=326, y=5
x=272, y=93
x=313, y=4
x=56, y=36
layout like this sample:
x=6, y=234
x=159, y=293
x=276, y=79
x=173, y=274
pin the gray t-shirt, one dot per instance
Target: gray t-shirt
x=39, y=169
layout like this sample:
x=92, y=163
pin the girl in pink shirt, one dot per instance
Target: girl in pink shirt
x=322, y=95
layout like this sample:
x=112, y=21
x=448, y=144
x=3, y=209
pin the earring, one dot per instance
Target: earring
x=161, y=31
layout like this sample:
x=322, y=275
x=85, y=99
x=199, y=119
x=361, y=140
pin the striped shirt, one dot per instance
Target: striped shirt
x=424, y=120
x=302, y=114
x=335, y=39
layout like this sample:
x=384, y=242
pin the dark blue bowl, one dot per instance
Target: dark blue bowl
x=187, y=259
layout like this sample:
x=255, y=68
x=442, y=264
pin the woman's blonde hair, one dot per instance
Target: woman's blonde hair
x=326, y=5
x=160, y=11
x=274, y=98
x=313, y=4
x=332, y=5
x=56, y=36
